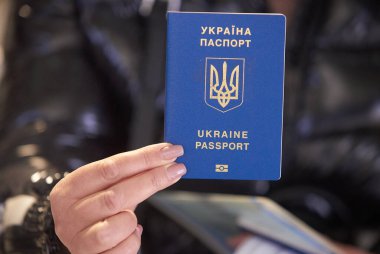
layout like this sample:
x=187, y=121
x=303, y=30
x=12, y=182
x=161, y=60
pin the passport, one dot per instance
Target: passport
x=224, y=93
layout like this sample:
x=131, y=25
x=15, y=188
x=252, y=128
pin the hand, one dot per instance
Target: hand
x=93, y=207
x=347, y=249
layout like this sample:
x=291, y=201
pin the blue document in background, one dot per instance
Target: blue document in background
x=224, y=93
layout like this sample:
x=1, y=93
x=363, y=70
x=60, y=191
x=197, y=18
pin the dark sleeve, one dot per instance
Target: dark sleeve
x=35, y=234
x=57, y=112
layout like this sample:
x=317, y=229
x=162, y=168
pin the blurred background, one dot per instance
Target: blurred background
x=84, y=79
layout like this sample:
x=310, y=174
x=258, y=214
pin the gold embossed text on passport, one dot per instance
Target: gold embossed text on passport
x=225, y=36
x=232, y=140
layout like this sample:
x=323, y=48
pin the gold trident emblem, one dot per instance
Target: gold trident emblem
x=224, y=93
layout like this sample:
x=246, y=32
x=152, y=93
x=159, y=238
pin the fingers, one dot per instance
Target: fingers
x=124, y=195
x=111, y=170
x=105, y=234
x=153, y=181
x=89, y=205
x=131, y=245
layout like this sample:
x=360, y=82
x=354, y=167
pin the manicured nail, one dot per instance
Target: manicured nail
x=171, y=152
x=176, y=170
x=139, y=229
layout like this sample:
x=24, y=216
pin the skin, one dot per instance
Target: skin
x=93, y=207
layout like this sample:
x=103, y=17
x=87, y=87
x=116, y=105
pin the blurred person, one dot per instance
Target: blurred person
x=84, y=80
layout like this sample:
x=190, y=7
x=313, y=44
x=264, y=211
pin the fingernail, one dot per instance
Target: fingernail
x=171, y=152
x=176, y=170
x=139, y=229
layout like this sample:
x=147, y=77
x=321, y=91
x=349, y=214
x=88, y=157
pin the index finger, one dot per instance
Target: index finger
x=101, y=174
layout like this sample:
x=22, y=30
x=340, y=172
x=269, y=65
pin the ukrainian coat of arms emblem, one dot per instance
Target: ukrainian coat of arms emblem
x=224, y=83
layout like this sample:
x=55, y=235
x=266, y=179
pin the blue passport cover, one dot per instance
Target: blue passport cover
x=224, y=93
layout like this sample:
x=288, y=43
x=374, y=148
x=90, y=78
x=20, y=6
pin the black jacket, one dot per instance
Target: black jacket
x=85, y=79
